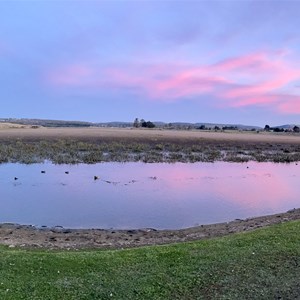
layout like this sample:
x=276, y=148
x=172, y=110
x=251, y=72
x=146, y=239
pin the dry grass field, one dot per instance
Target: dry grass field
x=21, y=132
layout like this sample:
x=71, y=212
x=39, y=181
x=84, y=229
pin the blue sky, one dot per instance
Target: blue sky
x=193, y=61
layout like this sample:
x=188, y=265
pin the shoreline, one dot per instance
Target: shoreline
x=59, y=238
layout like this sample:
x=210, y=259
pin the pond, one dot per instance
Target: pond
x=139, y=195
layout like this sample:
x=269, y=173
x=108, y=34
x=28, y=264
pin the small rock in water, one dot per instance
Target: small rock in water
x=43, y=172
x=96, y=177
x=66, y=172
x=16, y=178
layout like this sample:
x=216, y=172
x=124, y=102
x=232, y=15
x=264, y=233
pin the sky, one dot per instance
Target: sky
x=235, y=62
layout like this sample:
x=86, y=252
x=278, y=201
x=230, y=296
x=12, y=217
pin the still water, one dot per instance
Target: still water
x=138, y=195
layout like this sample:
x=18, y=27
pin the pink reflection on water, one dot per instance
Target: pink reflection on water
x=255, y=189
x=138, y=195
x=259, y=186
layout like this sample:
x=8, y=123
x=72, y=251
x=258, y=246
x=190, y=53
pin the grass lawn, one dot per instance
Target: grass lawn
x=263, y=264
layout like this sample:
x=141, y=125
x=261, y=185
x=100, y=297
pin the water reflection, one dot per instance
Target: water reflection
x=137, y=195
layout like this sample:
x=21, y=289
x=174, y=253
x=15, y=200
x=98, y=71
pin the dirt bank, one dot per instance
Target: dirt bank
x=24, y=236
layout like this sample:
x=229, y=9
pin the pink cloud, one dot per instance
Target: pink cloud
x=251, y=62
x=289, y=104
x=256, y=79
x=258, y=100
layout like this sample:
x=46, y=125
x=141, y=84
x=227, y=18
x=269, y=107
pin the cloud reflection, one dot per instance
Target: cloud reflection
x=162, y=196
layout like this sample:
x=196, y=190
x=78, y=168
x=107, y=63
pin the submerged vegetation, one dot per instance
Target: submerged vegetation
x=76, y=151
x=262, y=264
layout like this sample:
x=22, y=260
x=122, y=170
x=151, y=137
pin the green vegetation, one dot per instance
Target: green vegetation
x=263, y=264
x=76, y=151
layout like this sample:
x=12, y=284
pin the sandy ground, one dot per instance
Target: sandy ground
x=143, y=134
x=24, y=236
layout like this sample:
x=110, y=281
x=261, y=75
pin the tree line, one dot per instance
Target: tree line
x=277, y=129
x=142, y=123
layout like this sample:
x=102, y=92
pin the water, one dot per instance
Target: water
x=138, y=195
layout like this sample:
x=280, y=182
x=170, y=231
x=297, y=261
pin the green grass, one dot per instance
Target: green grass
x=263, y=264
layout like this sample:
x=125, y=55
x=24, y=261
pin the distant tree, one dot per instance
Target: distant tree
x=229, y=128
x=267, y=128
x=216, y=128
x=150, y=124
x=136, y=123
x=147, y=124
x=202, y=127
x=296, y=129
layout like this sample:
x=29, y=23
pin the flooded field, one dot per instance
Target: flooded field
x=139, y=195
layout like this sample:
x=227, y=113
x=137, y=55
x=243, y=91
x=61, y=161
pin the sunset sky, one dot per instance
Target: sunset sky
x=232, y=62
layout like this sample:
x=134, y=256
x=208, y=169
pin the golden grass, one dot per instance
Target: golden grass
x=15, y=131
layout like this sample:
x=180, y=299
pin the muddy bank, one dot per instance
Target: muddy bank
x=25, y=236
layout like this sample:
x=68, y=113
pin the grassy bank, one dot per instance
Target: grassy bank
x=263, y=264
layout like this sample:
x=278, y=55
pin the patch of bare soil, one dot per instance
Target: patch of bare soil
x=25, y=236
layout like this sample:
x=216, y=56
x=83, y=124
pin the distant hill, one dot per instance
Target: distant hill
x=159, y=124
x=113, y=124
x=238, y=126
x=47, y=123
x=6, y=125
x=287, y=126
